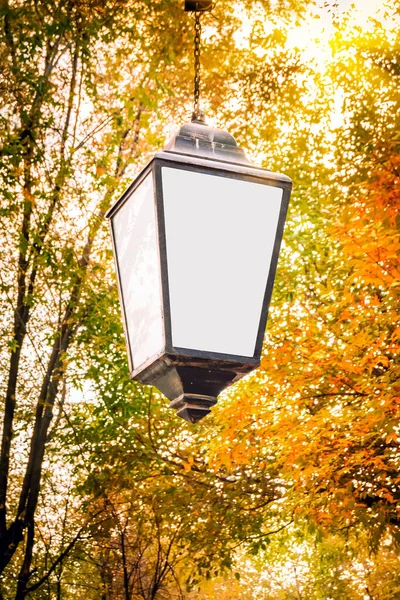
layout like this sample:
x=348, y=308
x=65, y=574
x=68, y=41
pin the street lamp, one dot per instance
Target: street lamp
x=196, y=238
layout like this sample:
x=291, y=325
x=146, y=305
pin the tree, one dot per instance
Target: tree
x=309, y=447
x=294, y=566
x=82, y=85
x=68, y=133
x=325, y=405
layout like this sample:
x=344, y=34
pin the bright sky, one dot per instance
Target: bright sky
x=316, y=29
x=364, y=8
x=320, y=22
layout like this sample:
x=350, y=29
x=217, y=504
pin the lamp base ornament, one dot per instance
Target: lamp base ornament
x=193, y=407
x=192, y=384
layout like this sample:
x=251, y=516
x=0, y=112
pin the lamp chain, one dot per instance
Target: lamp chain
x=197, y=113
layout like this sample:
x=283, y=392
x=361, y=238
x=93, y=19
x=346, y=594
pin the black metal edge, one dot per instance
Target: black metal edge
x=160, y=357
x=176, y=157
x=147, y=171
x=219, y=356
x=229, y=166
x=272, y=271
x=210, y=169
x=158, y=364
x=224, y=170
x=131, y=188
x=162, y=244
x=160, y=231
x=121, y=299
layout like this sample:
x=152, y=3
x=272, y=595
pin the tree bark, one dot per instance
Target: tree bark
x=30, y=251
x=24, y=285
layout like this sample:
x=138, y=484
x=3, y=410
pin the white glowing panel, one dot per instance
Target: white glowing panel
x=220, y=234
x=136, y=241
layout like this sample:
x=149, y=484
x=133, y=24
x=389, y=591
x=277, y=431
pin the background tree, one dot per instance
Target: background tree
x=68, y=132
x=325, y=405
x=103, y=493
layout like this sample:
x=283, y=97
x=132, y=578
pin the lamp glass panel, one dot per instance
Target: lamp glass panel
x=220, y=235
x=136, y=241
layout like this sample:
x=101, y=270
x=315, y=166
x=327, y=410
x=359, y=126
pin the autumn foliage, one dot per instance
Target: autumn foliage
x=290, y=488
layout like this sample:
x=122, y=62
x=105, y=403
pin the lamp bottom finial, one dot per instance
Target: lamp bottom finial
x=193, y=407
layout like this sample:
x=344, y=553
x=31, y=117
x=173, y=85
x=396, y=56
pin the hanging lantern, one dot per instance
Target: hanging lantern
x=196, y=239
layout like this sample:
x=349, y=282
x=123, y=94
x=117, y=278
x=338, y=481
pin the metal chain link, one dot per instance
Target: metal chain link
x=197, y=39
